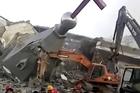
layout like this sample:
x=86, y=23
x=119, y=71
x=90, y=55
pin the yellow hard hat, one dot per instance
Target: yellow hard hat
x=50, y=87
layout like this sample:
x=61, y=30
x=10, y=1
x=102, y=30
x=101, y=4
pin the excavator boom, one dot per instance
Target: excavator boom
x=77, y=57
x=125, y=19
x=130, y=78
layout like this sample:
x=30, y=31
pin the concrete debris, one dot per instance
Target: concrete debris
x=36, y=59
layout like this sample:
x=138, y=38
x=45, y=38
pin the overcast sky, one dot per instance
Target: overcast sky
x=91, y=22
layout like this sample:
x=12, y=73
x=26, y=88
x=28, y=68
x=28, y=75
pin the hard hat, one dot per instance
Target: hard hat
x=50, y=87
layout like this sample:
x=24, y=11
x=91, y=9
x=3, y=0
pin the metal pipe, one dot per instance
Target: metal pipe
x=101, y=4
x=79, y=8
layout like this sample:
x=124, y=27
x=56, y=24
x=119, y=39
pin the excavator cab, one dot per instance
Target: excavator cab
x=97, y=71
x=130, y=80
x=99, y=75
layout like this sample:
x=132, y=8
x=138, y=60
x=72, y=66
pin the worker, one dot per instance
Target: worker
x=78, y=88
x=9, y=89
x=51, y=89
x=42, y=63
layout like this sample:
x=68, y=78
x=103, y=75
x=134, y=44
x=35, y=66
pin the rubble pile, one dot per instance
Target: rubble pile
x=66, y=74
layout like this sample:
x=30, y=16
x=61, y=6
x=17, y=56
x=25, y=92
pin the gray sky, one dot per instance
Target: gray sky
x=91, y=22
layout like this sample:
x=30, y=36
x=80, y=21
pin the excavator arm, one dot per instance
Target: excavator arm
x=125, y=19
x=77, y=57
x=134, y=28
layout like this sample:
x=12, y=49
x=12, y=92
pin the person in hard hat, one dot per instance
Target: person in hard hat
x=9, y=89
x=51, y=89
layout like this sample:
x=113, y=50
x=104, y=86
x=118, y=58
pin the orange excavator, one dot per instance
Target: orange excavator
x=97, y=74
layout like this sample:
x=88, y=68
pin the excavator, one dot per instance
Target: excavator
x=97, y=74
x=130, y=82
